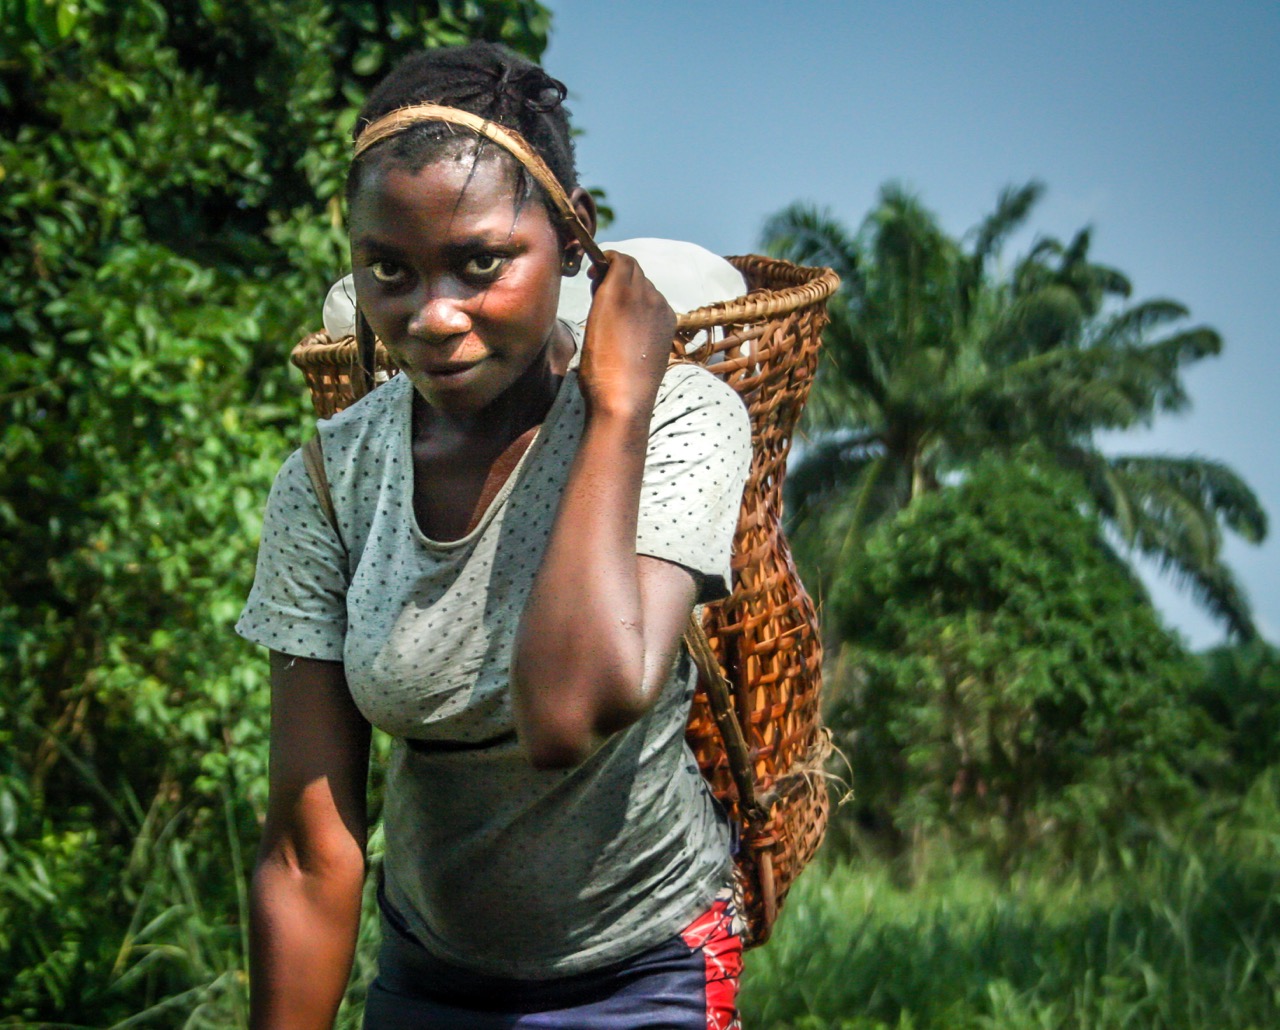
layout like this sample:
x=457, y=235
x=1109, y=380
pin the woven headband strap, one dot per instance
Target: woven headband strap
x=395, y=122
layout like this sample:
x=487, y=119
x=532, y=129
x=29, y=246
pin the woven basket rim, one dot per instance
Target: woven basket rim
x=815, y=284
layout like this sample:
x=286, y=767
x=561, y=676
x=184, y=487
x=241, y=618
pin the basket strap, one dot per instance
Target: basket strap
x=313, y=462
x=753, y=814
x=721, y=698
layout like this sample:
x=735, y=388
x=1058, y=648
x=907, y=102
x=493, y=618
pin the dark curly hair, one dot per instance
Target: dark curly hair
x=485, y=79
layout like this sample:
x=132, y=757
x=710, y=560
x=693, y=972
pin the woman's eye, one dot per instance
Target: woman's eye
x=387, y=272
x=482, y=266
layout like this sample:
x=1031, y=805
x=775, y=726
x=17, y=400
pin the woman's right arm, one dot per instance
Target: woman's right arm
x=307, y=883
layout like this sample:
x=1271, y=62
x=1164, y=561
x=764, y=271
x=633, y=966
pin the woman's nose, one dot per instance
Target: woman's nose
x=438, y=314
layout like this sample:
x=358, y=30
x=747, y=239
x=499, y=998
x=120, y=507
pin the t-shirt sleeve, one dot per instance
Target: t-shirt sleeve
x=695, y=470
x=298, y=604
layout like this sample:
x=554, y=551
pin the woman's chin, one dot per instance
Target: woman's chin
x=453, y=388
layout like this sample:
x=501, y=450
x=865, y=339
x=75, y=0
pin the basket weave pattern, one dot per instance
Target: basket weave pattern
x=765, y=634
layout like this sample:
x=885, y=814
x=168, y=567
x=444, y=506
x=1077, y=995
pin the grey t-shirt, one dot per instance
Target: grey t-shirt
x=493, y=865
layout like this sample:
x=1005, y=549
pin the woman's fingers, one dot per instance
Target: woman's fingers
x=628, y=338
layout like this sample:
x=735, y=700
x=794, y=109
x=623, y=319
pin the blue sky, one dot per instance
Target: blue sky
x=1156, y=123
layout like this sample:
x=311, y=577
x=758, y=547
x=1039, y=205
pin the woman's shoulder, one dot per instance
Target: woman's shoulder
x=687, y=386
x=374, y=416
x=696, y=409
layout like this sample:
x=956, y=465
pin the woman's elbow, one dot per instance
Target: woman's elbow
x=548, y=755
x=564, y=734
x=294, y=855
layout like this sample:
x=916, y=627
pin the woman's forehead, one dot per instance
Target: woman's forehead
x=480, y=190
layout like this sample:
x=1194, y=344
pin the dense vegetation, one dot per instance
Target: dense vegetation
x=997, y=697
x=1059, y=818
x=1183, y=938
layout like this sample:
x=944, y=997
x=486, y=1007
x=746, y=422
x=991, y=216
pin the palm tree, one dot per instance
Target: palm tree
x=935, y=355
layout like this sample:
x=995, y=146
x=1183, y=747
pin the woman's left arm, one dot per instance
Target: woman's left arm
x=602, y=624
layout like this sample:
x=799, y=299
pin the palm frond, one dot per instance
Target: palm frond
x=1134, y=323
x=1212, y=485
x=1065, y=393
x=835, y=404
x=1187, y=346
x=853, y=354
x=1093, y=282
x=808, y=235
x=1168, y=508
x=1152, y=372
x=1012, y=208
x=1112, y=281
x=1170, y=524
x=908, y=241
x=1214, y=588
x=1042, y=249
x=1036, y=323
x=830, y=533
x=1076, y=253
x=1121, y=504
x=828, y=465
x=1111, y=387
x=916, y=283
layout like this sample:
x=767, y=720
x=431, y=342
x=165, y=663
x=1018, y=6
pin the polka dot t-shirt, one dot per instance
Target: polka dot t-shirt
x=492, y=864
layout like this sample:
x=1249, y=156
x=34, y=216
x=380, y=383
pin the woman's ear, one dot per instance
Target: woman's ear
x=572, y=253
x=585, y=205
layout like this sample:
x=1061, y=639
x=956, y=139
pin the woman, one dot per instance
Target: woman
x=526, y=519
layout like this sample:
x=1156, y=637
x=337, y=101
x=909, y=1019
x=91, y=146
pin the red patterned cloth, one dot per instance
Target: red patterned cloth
x=718, y=936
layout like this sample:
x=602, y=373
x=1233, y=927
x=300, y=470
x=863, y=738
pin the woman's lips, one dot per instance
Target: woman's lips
x=450, y=369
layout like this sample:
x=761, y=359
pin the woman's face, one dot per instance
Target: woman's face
x=458, y=279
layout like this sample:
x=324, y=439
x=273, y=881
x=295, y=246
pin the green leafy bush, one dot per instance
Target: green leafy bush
x=1007, y=680
x=1239, y=690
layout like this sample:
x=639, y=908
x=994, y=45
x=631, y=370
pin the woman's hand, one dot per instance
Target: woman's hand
x=628, y=341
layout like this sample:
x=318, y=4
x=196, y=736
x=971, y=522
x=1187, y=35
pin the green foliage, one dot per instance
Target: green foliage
x=1239, y=690
x=937, y=355
x=171, y=222
x=1008, y=682
x=45, y=22
x=1181, y=937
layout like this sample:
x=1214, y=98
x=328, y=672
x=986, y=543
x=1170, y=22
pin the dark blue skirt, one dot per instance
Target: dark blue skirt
x=689, y=982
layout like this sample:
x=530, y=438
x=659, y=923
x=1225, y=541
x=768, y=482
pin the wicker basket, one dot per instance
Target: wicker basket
x=764, y=636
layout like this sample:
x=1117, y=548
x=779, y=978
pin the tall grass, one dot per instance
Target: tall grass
x=140, y=937
x=1186, y=934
